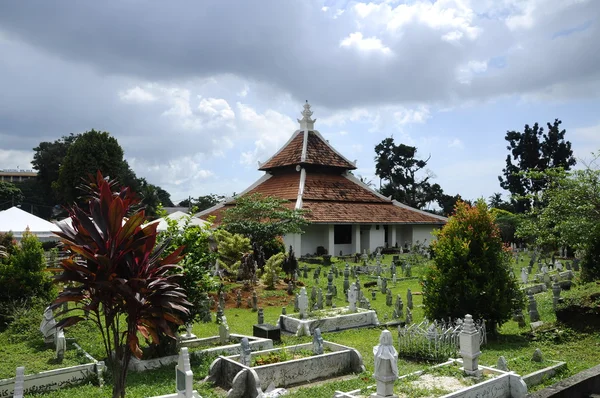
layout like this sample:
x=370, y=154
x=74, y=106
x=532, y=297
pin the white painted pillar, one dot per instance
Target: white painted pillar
x=356, y=237
x=330, y=240
x=392, y=235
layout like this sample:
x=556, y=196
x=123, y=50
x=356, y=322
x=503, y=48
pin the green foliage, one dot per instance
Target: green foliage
x=91, y=151
x=262, y=218
x=569, y=216
x=507, y=223
x=202, y=202
x=272, y=269
x=47, y=159
x=10, y=195
x=470, y=274
x=153, y=197
x=290, y=264
x=396, y=164
x=533, y=150
x=23, y=276
x=116, y=277
x=231, y=248
x=198, y=258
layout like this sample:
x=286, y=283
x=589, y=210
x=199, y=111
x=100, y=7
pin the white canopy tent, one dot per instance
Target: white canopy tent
x=181, y=219
x=18, y=221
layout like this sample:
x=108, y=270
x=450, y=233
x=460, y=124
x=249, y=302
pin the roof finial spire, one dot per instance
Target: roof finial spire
x=306, y=123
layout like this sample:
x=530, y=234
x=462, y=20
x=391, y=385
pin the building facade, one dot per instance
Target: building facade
x=346, y=215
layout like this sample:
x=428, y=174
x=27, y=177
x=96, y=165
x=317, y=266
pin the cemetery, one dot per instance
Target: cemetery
x=225, y=308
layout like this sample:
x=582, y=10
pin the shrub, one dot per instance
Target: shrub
x=198, y=258
x=471, y=270
x=272, y=269
x=23, y=276
x=590, y=270
x=231, y=248
x=290, y=264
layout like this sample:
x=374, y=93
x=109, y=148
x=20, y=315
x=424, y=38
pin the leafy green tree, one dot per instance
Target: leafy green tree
x=507, y=223
x=202, y=202
x=533, y=150
x=91, y=151
x=153, y=197
x=116, y=275
x=448, y=202
x=23, y=276
x=199, y=255
x=263, y=219
x=47, y=159
x=398, y=167
x=496, y=202
x=471, y=270
x=570, y=215
x=10, y=195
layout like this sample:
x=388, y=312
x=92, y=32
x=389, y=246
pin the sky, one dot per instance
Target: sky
x=198, y=92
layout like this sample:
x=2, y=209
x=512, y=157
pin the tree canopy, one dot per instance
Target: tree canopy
x=471, y=273
x=570, y=215
x=10, y=195
x=202, y=202
x=262, y=218
x=533, y=150
x=400, y=169
x=47, y=159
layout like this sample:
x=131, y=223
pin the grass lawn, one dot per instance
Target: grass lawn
x=580, y=351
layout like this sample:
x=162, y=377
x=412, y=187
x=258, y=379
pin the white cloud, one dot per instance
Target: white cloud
x=466, y=72
x=456, y=143
x=453, y=18
x=136, y=95
x=271, y=128
x=12, y=159
x=369, y=44
x=244, y=92
x=340, y=118
x=406, y=116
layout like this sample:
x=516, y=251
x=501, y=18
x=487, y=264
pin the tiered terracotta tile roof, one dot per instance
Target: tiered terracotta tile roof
x=318, y=152
x=330, y=195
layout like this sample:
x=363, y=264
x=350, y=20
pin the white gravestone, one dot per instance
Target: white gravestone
x=19, y=382
x=60, y=343
x=352, y=297
x=224, y=331
x=48, y=326
x=524, y=275
x=246, y=354
x=302, y=303
x=184, y=376
x=386, y=366
x=317, y=342
x=469, y=346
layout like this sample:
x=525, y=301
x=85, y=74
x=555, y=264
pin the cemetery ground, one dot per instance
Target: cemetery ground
x=23, y=346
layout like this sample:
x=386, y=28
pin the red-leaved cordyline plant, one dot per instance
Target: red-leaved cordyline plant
x=115, y=276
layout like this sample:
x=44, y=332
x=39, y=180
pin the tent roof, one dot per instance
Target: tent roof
x=17, y=221
x=180, y=217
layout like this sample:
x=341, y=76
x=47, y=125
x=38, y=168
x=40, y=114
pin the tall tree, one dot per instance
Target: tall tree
x=152, y=197
x=202, y=202
x=533, y=150
x=47, y=159
x=397, y=165
x=91, y=151
x=10, y=195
